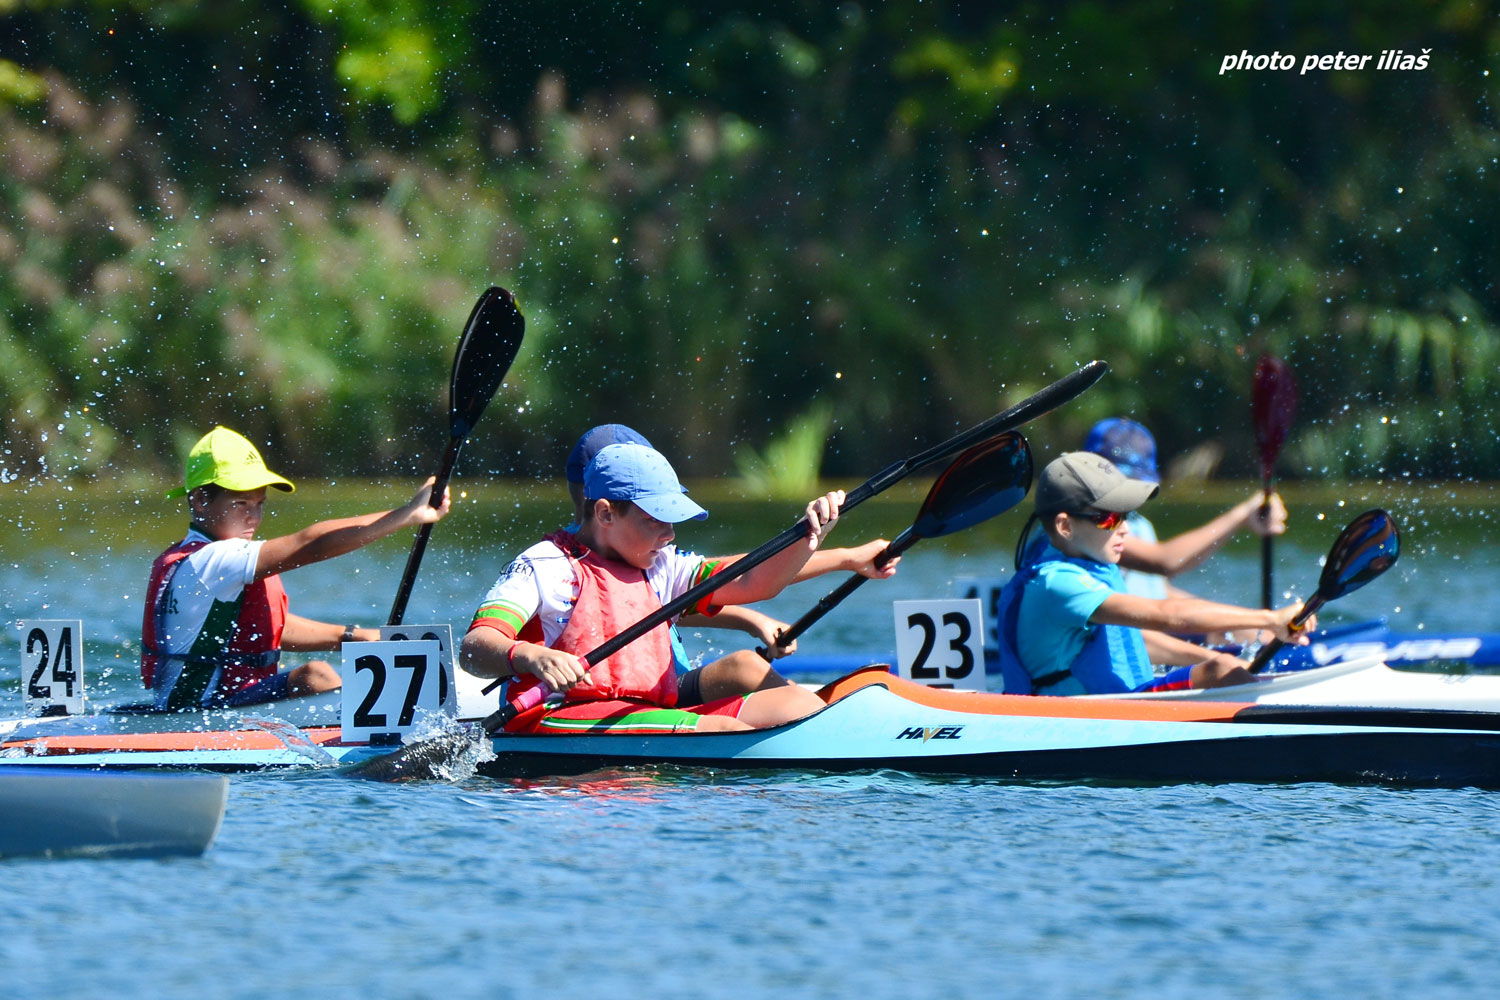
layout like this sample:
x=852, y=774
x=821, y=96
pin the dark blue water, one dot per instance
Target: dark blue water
x=693, y=883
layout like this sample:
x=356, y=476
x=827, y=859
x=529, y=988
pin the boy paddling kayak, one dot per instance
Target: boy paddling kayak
x=217, y=616
x=1068, y=626
x=565, y=595
x=744, y=670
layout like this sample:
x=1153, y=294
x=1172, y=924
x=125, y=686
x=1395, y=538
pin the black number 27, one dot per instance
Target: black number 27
x=415, y=662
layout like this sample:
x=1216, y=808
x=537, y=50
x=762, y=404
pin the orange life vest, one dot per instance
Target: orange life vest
x=247, y=655
x=610, y=597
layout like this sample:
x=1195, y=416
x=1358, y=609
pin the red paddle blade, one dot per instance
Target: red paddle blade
x=1273, y=403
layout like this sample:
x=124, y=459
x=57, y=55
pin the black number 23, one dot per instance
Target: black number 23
x=959, y=644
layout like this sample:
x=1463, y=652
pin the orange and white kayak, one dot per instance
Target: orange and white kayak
x=874, y=720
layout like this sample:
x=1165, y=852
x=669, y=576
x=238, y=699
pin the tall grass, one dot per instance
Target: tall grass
x=788, y=466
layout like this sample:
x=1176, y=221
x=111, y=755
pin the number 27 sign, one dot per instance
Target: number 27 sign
x=387, y=683
x=941, y=643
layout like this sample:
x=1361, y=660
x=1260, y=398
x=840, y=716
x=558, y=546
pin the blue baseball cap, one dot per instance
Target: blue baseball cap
x=636, y=473
x=1128, y=445
x=593, y=440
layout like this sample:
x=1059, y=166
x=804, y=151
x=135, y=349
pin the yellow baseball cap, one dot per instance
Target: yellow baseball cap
x=226, y=459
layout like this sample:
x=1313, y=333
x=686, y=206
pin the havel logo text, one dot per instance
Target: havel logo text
x=931, y=733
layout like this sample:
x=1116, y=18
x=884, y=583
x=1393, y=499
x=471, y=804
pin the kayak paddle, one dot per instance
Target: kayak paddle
x=426, y=758
x=491, y=338
x=1273, y=401
x=1365, y=549
x=986, y=480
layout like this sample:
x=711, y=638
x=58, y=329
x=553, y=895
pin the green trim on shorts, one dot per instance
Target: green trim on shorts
x=657, y=720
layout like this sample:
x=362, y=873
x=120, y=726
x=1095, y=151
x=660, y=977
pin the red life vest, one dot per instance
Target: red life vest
x=610, y=597
x=254, y=644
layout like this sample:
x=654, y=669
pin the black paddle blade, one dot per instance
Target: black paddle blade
x=425, y=760
x=986, y=480
x=492, y=336
x=1365, y=549
x=490, y=340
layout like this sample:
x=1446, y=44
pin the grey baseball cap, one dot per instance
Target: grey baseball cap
x=1082, y=482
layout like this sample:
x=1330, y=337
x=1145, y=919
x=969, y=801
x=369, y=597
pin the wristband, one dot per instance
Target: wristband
x=348, y=635
x=510, y=658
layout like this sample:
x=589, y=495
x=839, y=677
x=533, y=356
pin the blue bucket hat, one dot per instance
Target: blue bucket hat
x=636, y=473
x=1128, y=445
x=593, y=440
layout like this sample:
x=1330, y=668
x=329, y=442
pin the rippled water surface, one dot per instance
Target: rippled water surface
x=693, y=883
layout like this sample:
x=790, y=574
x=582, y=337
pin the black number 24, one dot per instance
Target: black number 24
x=959, y=644
x=62, y=664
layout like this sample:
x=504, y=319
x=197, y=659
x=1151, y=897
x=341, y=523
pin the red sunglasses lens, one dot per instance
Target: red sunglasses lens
x=1109, y=521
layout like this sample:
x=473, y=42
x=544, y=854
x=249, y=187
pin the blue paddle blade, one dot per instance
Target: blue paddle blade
x=988, y=479
x=1367, y=548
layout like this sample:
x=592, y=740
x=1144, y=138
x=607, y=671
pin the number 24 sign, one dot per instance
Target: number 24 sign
x=52, y=666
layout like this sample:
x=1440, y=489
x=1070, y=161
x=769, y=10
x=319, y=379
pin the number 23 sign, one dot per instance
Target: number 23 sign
x=941, y=643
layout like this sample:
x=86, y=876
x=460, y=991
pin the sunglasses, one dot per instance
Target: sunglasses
x=1108, y=521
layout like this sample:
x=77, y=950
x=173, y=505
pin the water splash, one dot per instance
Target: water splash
x=464, y=763
x=294, y=740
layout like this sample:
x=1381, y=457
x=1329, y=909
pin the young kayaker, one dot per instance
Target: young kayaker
x=216, y=617
x=568, y=593
x=745, y=670
x=1148, y=563
x=1068, y=626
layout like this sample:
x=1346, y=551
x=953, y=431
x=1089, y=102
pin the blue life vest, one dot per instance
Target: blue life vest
x=1114, y=657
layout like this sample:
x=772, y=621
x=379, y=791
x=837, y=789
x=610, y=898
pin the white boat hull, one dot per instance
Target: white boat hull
x=69, y=812
x=1361, y=683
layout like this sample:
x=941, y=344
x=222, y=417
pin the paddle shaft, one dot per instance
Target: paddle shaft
x=1047, y=399
x=834, y=598
x=1273, y=402
x=1270, y=649
x=419, y=547
x=1052, y=396
x=1265, y=547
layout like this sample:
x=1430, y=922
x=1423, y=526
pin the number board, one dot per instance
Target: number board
x=52, y=667
x=941, y=643
x=987, y=590
x=387, y=683
x=441, y=634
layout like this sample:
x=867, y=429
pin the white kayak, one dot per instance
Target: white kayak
x=1360, y=683
x=70, y=812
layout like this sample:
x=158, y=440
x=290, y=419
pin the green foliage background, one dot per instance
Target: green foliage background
x=722, y=222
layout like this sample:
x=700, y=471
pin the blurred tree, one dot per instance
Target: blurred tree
x=715, y=216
